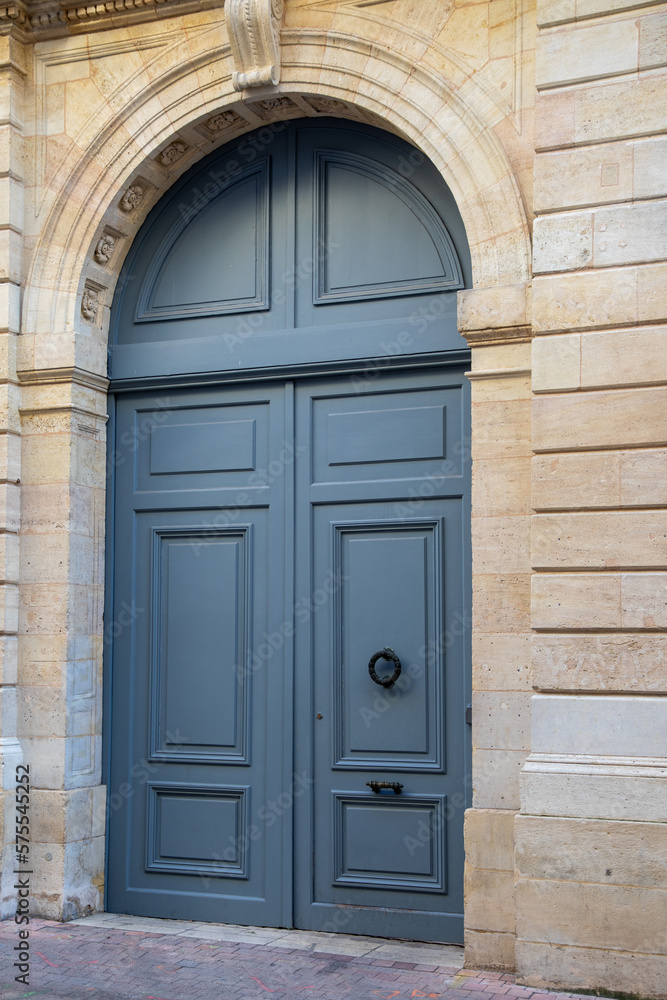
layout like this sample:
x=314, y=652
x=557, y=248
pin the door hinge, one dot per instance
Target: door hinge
x=469, y=714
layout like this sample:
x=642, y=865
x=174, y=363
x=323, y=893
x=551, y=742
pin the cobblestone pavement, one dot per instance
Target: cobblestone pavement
x=140, y=961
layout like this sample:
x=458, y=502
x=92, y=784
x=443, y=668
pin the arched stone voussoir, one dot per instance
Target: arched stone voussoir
x=74, y=272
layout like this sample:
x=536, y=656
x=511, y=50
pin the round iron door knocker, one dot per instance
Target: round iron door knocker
x=385, y=654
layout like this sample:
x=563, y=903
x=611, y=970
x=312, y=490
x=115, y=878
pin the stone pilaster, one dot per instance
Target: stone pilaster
x=497, y=324
x=12, y=76
x=63, y=418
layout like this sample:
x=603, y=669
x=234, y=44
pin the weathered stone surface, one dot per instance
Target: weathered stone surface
x=489, y=899
x=608, y=110
x=594, y=175
x=599, y=479
x=489, y=835
x=501, y=486
x=600, y=788
x=557, y=363
x=501, y=720
x=627, y=918
x=501, y=662
x=612, y=540
x=615, y=418
x=601, y=299
x=599, y=600
x=605, y=237
x=501, y=544
x=587, y=479
x=501, y=429
x=628, y=357
x=496, y=776
x=600, y=663
x=611, y=725
x=602, y=851
x=493, y=308
x=575, y=968
x=489, y=950
x=577, y=53
x=501, y=602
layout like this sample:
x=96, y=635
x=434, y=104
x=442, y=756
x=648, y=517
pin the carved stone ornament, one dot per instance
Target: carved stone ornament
x=254, y=34
x=131, y=198
x=172, y=153
x=327, y=105
x=223, y=120
x=105, y=248
x=276, y=104
x=89, y=304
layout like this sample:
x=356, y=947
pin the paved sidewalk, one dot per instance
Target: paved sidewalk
x=128, y=958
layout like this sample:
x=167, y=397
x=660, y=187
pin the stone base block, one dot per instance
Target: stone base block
x=489, y=950
x=489, y=838
x=565, y=967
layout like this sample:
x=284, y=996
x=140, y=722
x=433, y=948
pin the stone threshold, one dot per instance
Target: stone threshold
x=384, y=949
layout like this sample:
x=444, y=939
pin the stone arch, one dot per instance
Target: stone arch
x=447, y=115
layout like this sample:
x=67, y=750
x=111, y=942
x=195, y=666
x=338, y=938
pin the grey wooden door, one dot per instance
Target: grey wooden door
x=289, y=496
x=381, y=504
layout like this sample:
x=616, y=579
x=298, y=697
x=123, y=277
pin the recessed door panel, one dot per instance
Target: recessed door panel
x=198, y=447
x=390, y=573
x=366, y=436
x=380, y=842
x=376, y=235
x=201, y=614
x=214, y=259
x=197, y=829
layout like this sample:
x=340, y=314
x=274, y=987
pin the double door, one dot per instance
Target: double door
x=269, y=541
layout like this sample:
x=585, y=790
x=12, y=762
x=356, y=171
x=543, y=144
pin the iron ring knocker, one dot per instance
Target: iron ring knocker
x=385, y=654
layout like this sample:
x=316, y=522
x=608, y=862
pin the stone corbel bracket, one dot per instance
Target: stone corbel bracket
x=254, y=35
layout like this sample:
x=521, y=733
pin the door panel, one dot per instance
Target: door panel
x=393, y=551
x=388, y=572
x=199, y=717
x=198, y=689
x=325, y=242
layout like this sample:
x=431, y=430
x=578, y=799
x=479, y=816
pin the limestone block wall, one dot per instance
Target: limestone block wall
x=590, y=851
x=13, y=68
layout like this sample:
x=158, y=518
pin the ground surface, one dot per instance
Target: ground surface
x=121, y=958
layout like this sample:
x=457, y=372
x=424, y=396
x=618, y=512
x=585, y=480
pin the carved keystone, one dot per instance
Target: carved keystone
x=254, y=34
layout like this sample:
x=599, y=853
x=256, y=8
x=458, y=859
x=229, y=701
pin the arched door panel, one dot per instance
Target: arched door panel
x=247, y=264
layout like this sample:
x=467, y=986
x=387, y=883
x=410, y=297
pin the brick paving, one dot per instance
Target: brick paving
x=77, y=962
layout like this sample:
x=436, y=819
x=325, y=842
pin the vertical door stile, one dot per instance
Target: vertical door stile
x=290, y=770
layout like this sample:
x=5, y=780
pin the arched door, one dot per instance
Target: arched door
x=289, y=499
